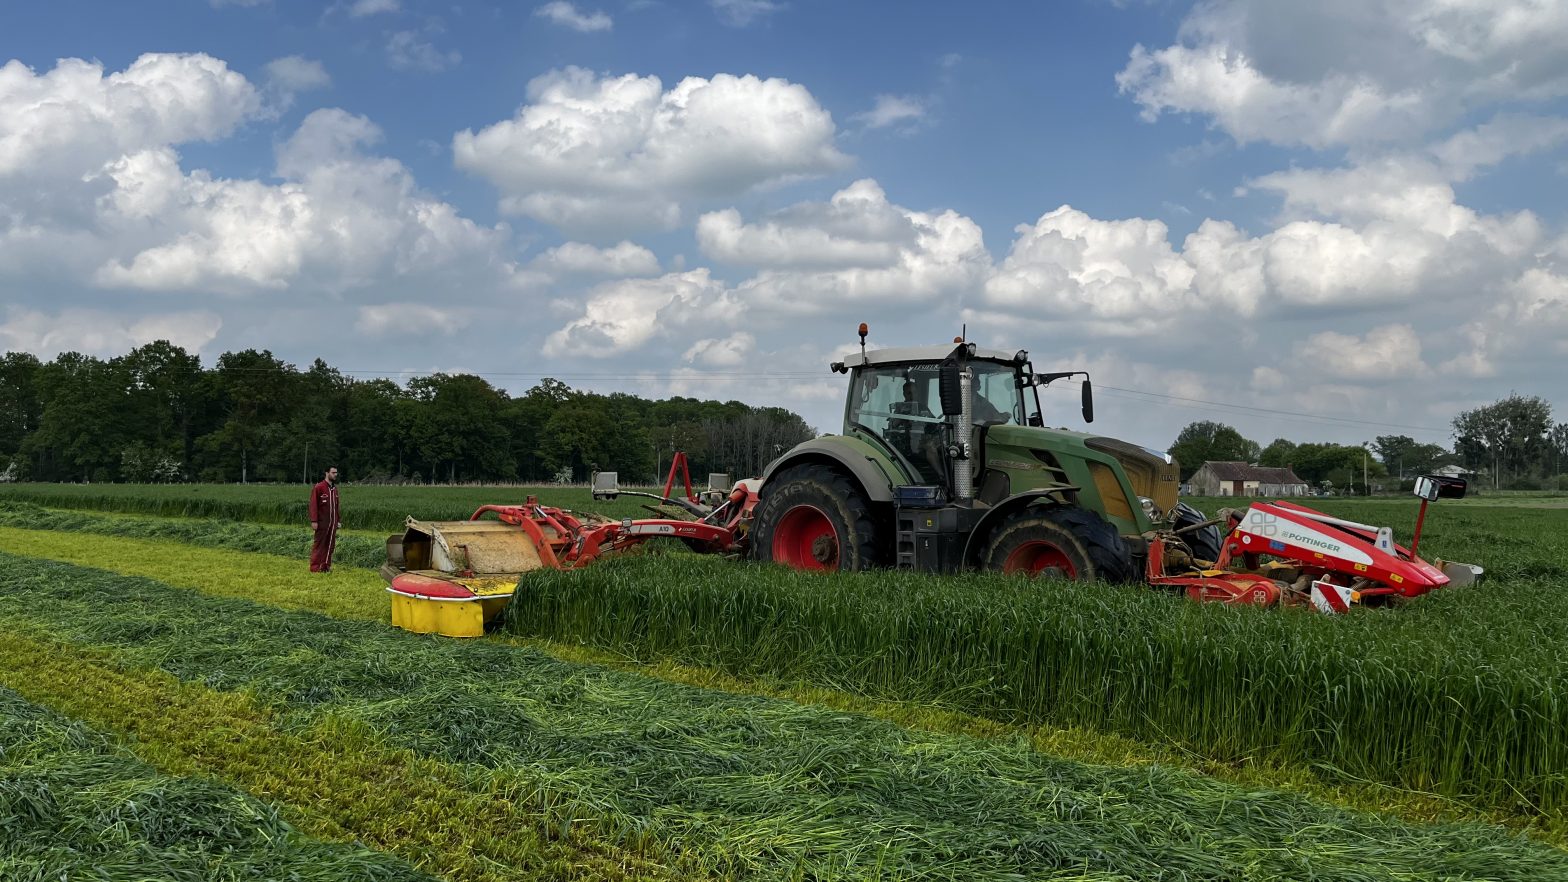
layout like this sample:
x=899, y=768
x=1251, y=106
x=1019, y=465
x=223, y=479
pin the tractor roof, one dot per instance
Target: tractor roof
x=902, y=354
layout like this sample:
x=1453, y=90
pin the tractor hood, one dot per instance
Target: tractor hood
x=1150, y=473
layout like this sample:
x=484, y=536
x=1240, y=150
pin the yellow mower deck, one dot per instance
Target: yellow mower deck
x=452, y=577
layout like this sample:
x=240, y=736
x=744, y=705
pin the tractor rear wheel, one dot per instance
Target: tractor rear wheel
x=1060, y=543
x=811, y=517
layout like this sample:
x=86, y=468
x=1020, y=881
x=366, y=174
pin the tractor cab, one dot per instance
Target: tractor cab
x=895, y=397
x=964, y=424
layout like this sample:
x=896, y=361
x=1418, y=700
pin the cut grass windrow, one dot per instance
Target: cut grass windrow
x=292, y=542
x=747, y=786
x=345, y=592
x=355, y=594
x=332, y=778
x=75, y=807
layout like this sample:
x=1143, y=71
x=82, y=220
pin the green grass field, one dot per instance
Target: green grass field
x=372, y=507
x=667, y=716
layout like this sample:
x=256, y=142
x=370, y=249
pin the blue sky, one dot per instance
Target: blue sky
x=1335, y=220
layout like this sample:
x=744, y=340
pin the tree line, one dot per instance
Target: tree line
x=1511, y=443
x=156, y=414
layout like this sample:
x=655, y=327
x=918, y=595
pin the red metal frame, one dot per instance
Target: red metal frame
x=1324, y=547
x=1212, y=585
x=1361, y=560
x=565, y=542
x=679, y=462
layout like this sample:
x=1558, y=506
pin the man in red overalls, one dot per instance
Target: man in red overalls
x=325, y=519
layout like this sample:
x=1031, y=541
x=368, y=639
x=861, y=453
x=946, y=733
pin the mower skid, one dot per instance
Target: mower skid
x=1461, y=574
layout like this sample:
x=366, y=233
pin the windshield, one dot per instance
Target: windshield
x=903, y=406
x=910, y=394
x=997, y=396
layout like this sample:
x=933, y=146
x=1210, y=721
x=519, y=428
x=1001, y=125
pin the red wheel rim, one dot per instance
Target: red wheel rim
x=1038, y=557
x=805, y=539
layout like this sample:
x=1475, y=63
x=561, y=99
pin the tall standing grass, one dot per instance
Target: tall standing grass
x=1464, y=693
x=747, y=787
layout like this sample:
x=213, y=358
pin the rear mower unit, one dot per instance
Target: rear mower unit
x=452, y=577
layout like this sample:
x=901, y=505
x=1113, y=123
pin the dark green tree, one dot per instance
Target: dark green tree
x=1279, y=454
x=82, y=426
x=20, y=405
x=1209, y=441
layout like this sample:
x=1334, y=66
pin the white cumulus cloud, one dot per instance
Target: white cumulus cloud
x=294, y=73
x=568, y=16
x=741, y=13
x=102, y=333
x=1346, y=72
x=891, y=110
x=410, y=320
x=1390, y=351
x=412, y=50
x=340, y=218
x=73, y=119
x=590, y=152
x=579, y=258
x=363, y=8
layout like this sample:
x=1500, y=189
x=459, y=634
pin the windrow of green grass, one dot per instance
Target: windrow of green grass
x=73, y=806
x=330, y=778
x=380, y=508
x=745, y=786
x=292, y=542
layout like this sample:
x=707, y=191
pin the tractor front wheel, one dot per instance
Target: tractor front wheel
x=811, y=517
x=1204, y=542
x=1059, y=543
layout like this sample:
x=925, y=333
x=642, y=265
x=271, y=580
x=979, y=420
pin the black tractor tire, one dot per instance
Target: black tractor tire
x=1204, y=543
x=1062, y=542
x=813, y=517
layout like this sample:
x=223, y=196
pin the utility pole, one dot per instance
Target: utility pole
x=1366, y=489
x=305, y=475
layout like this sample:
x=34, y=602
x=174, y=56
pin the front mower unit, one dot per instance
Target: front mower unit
x=1309, y=557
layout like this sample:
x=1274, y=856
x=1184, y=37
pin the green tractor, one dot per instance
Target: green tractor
x=945, y=464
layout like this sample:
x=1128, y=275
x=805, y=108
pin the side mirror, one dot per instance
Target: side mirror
x=1435, y=487
x=950, y=387
x=1088, y=400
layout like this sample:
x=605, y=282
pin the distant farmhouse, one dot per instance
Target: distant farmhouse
x=1241, y=479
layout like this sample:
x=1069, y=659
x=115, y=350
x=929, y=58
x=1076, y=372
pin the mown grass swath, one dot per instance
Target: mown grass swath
x=1464, y=693
x=370, y=507
x=291, y=542
x=332, y=778
x=346, y=592
x=73, y=806
x=747, y=786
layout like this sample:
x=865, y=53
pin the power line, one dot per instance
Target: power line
x=1273, y=412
